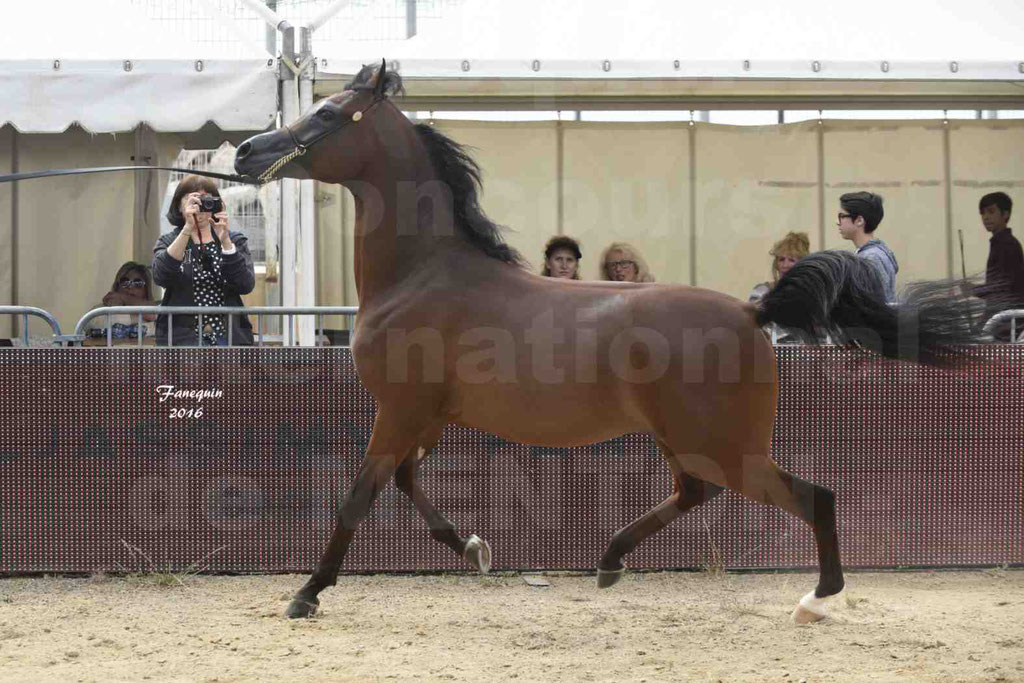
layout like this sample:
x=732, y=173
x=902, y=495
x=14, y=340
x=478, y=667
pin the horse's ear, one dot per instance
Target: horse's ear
x=378, y=79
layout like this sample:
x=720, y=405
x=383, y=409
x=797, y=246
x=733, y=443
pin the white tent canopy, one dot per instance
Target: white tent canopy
x=107, y=67
x=966, y=46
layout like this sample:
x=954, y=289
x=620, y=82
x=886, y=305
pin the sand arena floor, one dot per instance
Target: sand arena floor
x=919, y=626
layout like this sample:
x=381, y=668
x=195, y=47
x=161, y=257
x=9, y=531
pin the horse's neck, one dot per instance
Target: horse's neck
x=393, y=231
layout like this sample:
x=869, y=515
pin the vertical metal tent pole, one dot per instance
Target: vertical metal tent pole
x=147, y=195
x=410, y=18
x=288, y=97
x=289, y=188
x=306, y=246
x=271, y=30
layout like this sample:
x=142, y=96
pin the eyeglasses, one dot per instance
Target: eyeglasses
x=612, y=265
x=841, y=216
x=131, y=283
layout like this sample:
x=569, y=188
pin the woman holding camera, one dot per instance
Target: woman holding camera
x=202, y=263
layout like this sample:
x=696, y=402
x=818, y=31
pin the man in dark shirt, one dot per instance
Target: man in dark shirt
x=1004, y=272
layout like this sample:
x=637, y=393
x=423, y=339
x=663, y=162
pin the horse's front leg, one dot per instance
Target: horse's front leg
x=391, y=441
x=473, y=549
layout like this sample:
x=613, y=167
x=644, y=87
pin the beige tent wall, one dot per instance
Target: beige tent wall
x=754, y=184
x=629, y=182
x=73, y=231
x=904, y=162
x=520, y=178
x=336, y=284
x=986, y=156
x=519, y=162
x=6, y=226
x=598, y=182
x=601, y=182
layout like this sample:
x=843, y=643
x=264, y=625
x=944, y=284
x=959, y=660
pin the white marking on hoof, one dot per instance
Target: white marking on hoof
x=420, y=452
x=810, y=609
x=478, y=554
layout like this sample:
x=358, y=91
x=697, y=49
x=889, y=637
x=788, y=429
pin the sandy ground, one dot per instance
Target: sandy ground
x=920, y=626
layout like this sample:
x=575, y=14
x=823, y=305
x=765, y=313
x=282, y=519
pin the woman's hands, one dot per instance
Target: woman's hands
x=220, y=231
x=190, y=209
x=196, y=219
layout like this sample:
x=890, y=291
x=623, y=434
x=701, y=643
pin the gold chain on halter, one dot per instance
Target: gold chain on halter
x=299, y=150
x=268, y=175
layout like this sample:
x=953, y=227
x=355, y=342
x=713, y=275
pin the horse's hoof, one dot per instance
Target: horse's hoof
x=478, y=554
x=301, y=609
x=606, y=578
x=810, y=609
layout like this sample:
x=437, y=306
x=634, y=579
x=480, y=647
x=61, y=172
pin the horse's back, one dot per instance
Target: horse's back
x=539, y=361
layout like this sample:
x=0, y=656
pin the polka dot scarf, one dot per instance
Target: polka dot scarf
x=208, y=289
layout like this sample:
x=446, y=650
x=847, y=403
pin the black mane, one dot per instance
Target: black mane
x=458, y=171
x=461, y=174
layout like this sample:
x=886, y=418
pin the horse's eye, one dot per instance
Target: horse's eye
x=326, y=114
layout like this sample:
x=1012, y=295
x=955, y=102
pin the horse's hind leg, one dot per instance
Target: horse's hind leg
x=764, y=481
x=476, y=551
x=393, y=438
x=689, y=492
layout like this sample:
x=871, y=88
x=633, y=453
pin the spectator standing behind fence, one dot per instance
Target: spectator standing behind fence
x=785, y=253
x=131, y=287
x=621, y=262
x=859, y=216
x=202, y=263
x=562, y=258
x=1004, y=272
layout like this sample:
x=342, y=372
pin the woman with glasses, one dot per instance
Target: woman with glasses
x=131, y=287
x=202, y=263
x=621, y=262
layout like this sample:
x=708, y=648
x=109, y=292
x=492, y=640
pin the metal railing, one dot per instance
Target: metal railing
x=1013, y=316
x=25, y=312
x=206, y=311
x=1016, y=330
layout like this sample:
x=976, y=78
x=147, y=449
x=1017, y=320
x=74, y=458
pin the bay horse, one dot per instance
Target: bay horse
x=453, y=329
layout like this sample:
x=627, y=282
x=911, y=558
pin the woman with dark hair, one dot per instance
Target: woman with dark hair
x=562, y=258
x=202, y=263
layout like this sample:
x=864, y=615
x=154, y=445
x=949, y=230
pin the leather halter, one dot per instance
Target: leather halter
x=302, y=148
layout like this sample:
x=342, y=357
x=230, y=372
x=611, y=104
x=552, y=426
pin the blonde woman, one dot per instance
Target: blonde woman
x=785, y=253
x=621, y=262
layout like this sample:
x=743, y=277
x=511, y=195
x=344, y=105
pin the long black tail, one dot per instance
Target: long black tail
x=839, y=295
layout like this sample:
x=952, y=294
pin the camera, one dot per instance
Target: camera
x=210, y=204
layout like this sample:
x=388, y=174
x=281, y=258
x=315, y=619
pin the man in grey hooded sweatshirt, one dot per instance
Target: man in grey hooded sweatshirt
x=860, y=214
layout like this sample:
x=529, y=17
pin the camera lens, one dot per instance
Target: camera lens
x=210, y=204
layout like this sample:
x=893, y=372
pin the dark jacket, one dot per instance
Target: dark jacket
x=1004, y=273
x=176, y=279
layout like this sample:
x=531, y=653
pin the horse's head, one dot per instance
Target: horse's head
x=331, y=142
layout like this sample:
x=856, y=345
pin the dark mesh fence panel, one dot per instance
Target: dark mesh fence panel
x=98, y=473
